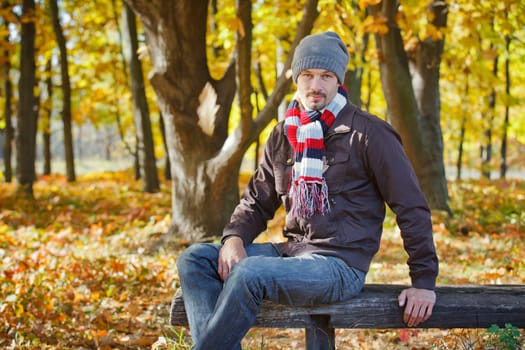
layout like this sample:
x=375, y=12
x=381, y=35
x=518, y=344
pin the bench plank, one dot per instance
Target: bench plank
x=466, y=306
x=469, y=306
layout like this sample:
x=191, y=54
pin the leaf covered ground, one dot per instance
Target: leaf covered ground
x=77, y=270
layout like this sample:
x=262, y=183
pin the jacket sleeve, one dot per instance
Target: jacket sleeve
x=259, y=200
x=397, y=183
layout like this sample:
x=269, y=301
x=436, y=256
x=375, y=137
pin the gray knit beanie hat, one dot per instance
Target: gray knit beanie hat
x=324, y=51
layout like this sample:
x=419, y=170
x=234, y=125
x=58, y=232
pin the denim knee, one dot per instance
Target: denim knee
x=246, y=275
x=184, y=258
x=195, y=256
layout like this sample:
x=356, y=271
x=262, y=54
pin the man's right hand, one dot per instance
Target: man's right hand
x=231, y=252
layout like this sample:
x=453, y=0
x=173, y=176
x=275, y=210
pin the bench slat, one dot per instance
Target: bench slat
x=477, y=306
x=376, y=307
x=474, y=306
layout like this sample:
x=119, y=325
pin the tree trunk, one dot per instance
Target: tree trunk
x=27, y=117
x=8, y=89
x=205, y=160
x=46, y=122
x=353, y=82
x=9, y=130
x=118, y=119
x=462, y=131
x=108, y=142
x=486, y=160
x=506, y=122
x=145, y=145
x=459, y=163
x=486, y=150
x=136, y=161
x=354, y=77
x=66, y=93
x=244, y=64
x=411, y=91
x=167, y=166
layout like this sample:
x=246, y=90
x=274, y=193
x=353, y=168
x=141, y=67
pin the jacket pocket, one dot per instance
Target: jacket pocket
x=283, y=172
x=336, y=171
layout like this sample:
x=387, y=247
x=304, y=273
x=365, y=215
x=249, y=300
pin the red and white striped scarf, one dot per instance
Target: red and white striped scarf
x=305, y=130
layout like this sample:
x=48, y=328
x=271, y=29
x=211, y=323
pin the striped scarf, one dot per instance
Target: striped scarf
x=305, y=131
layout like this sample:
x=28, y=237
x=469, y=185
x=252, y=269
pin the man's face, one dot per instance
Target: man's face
x=316, y=87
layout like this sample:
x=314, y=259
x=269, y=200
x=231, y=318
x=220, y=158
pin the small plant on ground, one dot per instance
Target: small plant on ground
x=506, y=338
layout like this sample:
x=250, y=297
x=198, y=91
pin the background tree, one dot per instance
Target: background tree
x=462, y=131
x=133, y=151
x=478, y=30
x=145, y=144
x=100, y=93
x=352, y=18
x=205, y=160
x=410, y=82
x=486, y=148
x=7, y=16
x=47, y=112
x=99, y=83
x=178, y=82
x=27, y=116
x=506, y=21
x=506, y=122
x=66, y=92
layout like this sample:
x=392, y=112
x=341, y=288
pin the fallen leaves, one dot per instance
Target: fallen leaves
x=72, y=273
x=75, y=273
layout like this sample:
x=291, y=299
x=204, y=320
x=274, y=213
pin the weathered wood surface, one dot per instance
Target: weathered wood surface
x=477, y=306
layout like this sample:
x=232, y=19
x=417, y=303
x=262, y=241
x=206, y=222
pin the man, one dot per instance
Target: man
x=333, y=167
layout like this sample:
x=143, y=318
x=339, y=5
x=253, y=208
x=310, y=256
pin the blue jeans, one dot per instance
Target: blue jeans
x=220, y=314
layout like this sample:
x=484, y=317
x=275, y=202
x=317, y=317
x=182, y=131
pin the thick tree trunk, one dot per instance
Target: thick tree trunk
x=203, y=189
x=66, y=93
x=412, y=94
x=27, y=117
x=145, y=145
x=427, y=62
x=205, y=160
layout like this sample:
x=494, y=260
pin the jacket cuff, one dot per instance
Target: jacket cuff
x=225, y=237
x=424, y=282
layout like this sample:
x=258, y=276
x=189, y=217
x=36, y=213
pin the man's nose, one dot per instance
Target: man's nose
x=316, y=82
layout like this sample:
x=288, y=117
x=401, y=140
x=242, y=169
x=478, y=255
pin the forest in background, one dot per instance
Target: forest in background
x=80, y=263
x=482, y=75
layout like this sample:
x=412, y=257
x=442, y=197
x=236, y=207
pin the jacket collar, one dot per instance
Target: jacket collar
x=343, y=122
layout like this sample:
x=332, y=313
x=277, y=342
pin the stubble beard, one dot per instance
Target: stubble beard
x=316, y=100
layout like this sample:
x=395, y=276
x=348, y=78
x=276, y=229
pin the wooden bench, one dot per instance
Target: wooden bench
x=469, y=306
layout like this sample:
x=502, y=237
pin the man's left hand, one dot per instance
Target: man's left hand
x=418, y=305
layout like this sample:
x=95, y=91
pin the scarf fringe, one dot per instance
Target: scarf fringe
x=305, y=131
x=309, y=198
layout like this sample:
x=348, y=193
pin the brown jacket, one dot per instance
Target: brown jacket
x=365, y=166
